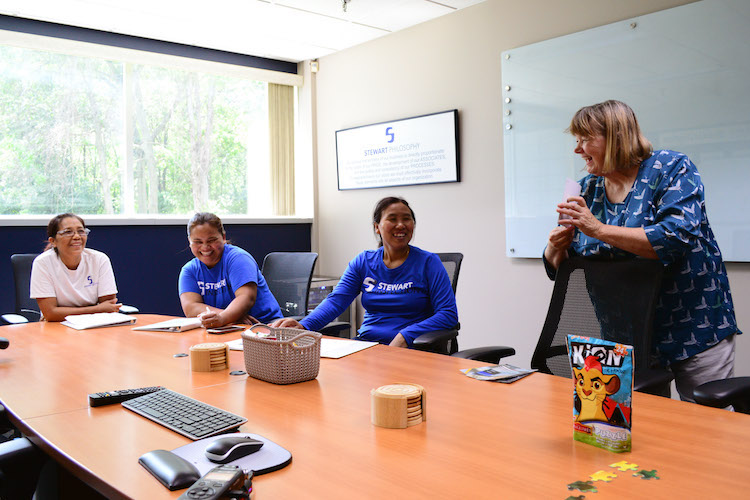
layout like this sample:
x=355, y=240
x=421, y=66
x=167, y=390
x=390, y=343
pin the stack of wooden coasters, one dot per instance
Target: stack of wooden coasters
x=209, y=357
x=398, y=406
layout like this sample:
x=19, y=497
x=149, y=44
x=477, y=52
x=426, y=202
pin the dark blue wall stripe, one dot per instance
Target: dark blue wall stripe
x=147, y=259
x=44, y=28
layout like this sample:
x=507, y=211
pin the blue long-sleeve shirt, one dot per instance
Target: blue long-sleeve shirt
x=414, y=298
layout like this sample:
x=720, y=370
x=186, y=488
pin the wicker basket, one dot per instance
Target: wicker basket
x=287, y=356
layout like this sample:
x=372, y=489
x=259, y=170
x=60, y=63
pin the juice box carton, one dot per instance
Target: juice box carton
x=603, y=392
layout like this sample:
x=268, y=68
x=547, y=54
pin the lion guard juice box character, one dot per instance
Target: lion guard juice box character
x=603, y=377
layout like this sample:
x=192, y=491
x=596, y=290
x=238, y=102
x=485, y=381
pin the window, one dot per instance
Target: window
x=100, y=130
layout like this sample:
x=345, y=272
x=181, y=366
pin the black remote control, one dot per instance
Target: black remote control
x=217, y=482
x=112, y=397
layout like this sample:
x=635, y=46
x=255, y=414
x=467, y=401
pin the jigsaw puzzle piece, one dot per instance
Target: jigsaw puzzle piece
x=646, y=474
x=602, y=476
x=623, y=466
x=583, y=486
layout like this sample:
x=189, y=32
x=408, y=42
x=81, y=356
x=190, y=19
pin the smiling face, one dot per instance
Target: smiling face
x=396, y=226
x=70, y=239
x=592, y=150
x=207, y=244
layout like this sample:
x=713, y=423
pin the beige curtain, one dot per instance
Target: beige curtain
x=281, y=132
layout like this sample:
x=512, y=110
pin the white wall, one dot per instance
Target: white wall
x=454, y=62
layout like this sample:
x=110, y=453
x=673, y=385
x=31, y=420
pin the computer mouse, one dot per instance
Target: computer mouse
x=230, y=448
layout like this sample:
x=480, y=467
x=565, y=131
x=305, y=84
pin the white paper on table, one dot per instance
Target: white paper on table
x=329, y=348
x=97, y=320
x=338, y=348
x=172, y=325
x=235, y=345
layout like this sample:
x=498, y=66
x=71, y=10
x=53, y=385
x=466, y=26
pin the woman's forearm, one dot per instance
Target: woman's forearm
x=58, y=313
x=555, y=256
x=630, y=239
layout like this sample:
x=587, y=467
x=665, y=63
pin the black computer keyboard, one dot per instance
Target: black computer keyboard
x=184, y=415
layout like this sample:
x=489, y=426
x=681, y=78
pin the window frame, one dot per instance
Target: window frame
x=70, y=40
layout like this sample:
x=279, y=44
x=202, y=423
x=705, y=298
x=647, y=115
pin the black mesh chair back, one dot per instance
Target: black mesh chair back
x=25, y=305
x=445, y=341
x=613, y=300
x=288, y=275
x=452, y=264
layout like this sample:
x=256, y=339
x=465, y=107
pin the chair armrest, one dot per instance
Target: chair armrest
x=491, y=355
x=722, y=393
x=653, y=381
x=13, y=319
x=31, y=314
x=16, y=449
x=335, y=328
x=438, y=341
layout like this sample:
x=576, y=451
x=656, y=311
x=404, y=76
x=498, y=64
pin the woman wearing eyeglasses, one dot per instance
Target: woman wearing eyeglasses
x=68, y=278
x=222, y=284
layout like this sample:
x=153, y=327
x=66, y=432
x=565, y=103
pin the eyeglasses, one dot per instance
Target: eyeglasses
x=210, y=241
x=68, y=233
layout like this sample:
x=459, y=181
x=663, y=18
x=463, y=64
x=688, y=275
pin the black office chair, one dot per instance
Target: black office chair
x=20, y=460
x=27, y=309
x=288, y=275
x=613, y=300
x=489, y=354
x=733, y=392
x=443, y=341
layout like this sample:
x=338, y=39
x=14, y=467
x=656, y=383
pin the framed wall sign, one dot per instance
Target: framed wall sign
x=418, y=150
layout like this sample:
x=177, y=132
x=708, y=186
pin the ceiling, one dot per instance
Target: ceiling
x=288, y=30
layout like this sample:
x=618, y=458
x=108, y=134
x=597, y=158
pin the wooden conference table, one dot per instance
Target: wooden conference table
x=480, y=440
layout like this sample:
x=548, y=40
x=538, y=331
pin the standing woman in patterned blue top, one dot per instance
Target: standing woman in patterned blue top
x=636, y=201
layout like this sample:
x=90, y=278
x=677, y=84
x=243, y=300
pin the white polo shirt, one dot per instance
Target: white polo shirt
x=78, y=287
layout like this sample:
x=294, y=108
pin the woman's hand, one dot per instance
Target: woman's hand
x=399, y=341
x=558, y=243
x=108, y=306
x=560, y=238
x=211, y=319
x=630, y=239
x=287, y=323
x=580, y=216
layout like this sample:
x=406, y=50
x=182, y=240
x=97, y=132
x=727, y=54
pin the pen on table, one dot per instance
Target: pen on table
x=200, y=316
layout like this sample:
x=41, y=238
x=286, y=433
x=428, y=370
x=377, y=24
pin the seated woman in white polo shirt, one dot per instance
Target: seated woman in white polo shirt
x=68, y=278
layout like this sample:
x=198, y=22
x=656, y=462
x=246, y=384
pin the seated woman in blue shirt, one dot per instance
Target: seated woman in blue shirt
x=405, y=290
x=222, y=284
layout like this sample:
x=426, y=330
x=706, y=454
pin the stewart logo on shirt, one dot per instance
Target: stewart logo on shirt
x=211, y=288
x=372, y=285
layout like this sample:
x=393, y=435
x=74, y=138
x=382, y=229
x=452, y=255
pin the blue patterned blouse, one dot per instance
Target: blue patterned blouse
x=695, y=309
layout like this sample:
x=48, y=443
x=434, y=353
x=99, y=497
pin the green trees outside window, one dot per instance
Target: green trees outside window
x=97, y=136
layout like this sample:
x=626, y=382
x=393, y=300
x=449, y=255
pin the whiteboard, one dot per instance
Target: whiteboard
x=686, y=73
x=419, y=150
